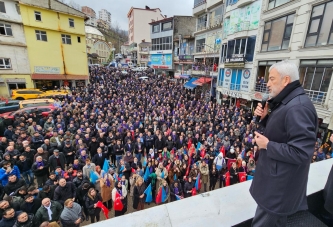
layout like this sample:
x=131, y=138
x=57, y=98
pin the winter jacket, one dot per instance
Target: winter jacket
x=4, y=176
x=13, y=186
x=40, y=172
x=29, y=223
x=31, y=208
x=61, y=194
x=53, y=161
x=42, y=214
x=89, y=204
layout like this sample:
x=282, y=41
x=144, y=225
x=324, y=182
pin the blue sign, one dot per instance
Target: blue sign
x=163, y=61
x=218, y=41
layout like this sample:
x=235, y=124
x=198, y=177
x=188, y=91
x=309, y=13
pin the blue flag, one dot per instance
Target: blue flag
x=105, y=166
x=162, y=174
x=164, y=196
x=197, y=183
x=144, y=163
x=146, y=176
x=198, y=146
x=149, y=194
x=175, y=177
x=178, y=197
x=93, y=177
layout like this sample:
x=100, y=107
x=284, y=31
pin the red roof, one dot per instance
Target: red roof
x=58, y=77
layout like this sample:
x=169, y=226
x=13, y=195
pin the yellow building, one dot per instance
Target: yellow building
x=56, y=43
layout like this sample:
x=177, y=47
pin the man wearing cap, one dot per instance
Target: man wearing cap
x=57, y=159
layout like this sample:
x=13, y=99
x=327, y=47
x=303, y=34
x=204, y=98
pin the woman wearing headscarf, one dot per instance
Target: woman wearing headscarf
x=106, y=185
x=165, y=186
x=122, y=191
x=161, y=174
x=71, y=216
x=138, y=194
x=175, y=190
x=91, y=201
x=251, y=166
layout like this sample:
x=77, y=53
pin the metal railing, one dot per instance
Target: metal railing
x=235, y=87
x=199, y=3
x=203, y=68
x=261, y=87
x=202, y=26
x=200, y=48
x=215, y=21
x=317, y=97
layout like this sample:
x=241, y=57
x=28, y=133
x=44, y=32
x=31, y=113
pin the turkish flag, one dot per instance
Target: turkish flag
x=242, y=176
x=118, y=205
x=194, y=191
x=227, y=179
x=104, y=209
x=222, y=150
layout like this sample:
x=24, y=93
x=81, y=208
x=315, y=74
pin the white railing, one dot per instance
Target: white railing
x=317, y=97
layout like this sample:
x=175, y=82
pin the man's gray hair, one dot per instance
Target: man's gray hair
x=286, y=68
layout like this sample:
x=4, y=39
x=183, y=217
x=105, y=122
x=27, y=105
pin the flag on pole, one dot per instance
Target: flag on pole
x=149, y=194
x=198, y=183
x=104, y=209
x=227, y=179
x=105, y=166
x=146, y=176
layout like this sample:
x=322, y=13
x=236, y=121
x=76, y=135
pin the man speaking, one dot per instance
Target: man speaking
x=286, y=148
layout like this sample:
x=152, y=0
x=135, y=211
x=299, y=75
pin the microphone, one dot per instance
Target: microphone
x=263, y=103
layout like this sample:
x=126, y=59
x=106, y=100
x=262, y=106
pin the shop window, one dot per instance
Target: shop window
x=38, y=16
x=41, y=35
x=66, y=39
x=5, y=63
x=71, y=22
x=2, y=7
x=6, y=29
x=320, y=31
x=277, y=34
x=275, y=3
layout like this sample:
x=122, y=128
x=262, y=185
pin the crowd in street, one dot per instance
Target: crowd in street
x=151, y=133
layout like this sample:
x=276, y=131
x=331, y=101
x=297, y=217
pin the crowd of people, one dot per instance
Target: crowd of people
x=151, y=133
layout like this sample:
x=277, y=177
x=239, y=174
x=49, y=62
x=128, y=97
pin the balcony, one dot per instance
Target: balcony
x=202, y=26
x=199, y=7
x=261, y=87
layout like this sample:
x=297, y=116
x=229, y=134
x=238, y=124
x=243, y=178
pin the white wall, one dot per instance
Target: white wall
x=11, y=12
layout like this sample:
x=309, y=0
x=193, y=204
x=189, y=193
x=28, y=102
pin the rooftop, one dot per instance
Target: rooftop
x=92, y=30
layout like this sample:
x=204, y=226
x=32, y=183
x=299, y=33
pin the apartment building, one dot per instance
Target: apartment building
x=105, y=15
x=240, y=29
x=14, y=62
x=91, y=14
x=139, y=31
x=301, y=31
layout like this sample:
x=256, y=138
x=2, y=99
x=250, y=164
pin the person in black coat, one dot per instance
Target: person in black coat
x=30, y=204
x=99, y=158
x=81, y=193
x=213, y=177
x=129, y=146
x=138, y=194
x=47, y=192
x=159, y=144
x=138, y=149
x=13, y=184
x=175, y=189
x=189, y=185
x=286, y=147
x=93, y=146
x=69, y=152
x=180, y=142
x=57, y=159
x=91, y=199
x=233, y=174
x=65, y=190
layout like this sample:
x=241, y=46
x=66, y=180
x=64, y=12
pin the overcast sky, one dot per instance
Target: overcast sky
x=120, y=8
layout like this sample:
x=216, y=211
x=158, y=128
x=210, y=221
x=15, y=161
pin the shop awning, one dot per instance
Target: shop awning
x=189, y=84
x=58, y=77
x=203, y=80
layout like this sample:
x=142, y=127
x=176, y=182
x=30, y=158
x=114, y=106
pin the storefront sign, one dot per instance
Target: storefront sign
x=227, y=78
x=15, y=80
x=186, y=57
x=232, y=93
x=245, y=82
x=47, y=70
x=235, y=58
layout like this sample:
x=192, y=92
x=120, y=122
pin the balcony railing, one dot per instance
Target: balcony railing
x=216, y=21
x=201, y=26
x=200, y=49
x=262, y=87
x=317, y=97
x=235, y=87
x=203, y=68
x=199, y=3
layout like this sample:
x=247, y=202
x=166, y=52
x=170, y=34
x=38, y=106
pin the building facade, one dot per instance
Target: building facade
x=105, y=16
x=139, y=30
x=301, y=31
x=98, y=49
x=241, y=21
x=14, y=62
x=55, y=37
x=91, y=14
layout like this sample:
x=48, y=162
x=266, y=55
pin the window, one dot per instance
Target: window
x=66, y=39
x=320, y=31
x=5, y=63
x=166, y=26
x=6, y=29
x=231, y=2
x=241, y=46
x=71, y=22
x=38, y=16
x=202, y=22
x=275, y=3
x=79, y=39
x=41, y=35
x=156, y=28
x=315, y=77
x=2, y=7
x=200, y=45
x=164, y=43
x=198, y=3
x=223, y=52
x=277, y=34
x=262, y=77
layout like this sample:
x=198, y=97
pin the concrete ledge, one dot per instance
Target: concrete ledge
x=222, y=207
